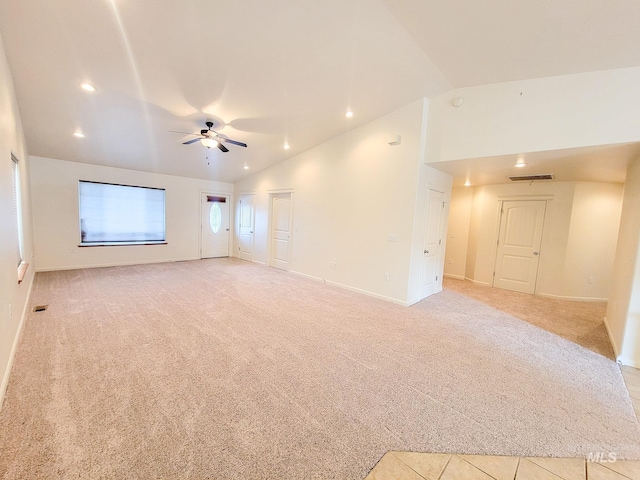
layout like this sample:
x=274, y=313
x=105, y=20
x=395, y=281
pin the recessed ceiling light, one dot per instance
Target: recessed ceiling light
x=88, y=87
x=349, y=114
x=286, y=146
x=520, y=164
x=78, y=134
x=246, y=167
x=467, y=183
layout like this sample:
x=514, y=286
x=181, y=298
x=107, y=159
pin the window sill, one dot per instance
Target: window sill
x=22, y=271
x=119, y=244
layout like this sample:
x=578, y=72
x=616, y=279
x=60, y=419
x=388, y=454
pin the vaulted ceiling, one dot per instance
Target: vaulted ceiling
x=274, y=72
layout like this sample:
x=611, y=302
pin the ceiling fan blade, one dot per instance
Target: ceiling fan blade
x=228, y=140
x=183, y=133
x=189, y=142
x=222, y=147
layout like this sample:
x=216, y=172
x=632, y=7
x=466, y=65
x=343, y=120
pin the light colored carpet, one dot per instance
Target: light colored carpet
x=223, y=369
x=579, y=322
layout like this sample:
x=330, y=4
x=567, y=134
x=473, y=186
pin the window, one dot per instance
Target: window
x=215, y=217
x=17, y=209
x=120, y=214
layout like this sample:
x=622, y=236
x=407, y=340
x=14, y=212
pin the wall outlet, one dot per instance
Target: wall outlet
x=333, y=265
x=590, y=280
x=387, y=277
x=391, y=237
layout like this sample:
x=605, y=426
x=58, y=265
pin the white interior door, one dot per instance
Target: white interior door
x=280, y=230
x=214, y=226
x=431, y=280
x=246, y=227
x=519, y=242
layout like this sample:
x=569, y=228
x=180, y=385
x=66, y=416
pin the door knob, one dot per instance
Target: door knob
x=426, y=251
x=536, y=253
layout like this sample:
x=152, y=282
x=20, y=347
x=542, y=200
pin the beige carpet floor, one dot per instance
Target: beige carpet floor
x=223, y=369
x=579, y=322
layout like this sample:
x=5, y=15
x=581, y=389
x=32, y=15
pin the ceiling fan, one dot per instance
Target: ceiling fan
x=210, y=138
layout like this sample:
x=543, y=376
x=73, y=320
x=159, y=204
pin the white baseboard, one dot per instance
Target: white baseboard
x=478, y=282
x=629, y=362
x=616, y=350
x=575, y=299
x=457, y=277
x=14, y=347
x=119, y=264
x=352, y=289
x=309, y=277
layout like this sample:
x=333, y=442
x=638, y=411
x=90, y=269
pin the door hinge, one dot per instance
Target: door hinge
x=494, y=274
x=498, y=242
x=442, y=204
x=436, y=278
x=440, y=242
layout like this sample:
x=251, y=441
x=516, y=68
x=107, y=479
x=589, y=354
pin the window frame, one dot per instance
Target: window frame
x=16, y=181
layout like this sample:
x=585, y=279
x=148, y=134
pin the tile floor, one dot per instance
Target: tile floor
x=632, y=379
x=438, y=466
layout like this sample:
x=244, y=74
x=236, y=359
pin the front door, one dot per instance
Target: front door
x=519, y=242
x=280, y=230
x=432, y=250
x=214, y=226
x=246, y=227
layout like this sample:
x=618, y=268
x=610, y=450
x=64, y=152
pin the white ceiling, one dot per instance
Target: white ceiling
x=276, y=71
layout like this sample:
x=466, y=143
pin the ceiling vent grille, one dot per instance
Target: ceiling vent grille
x=531, y=178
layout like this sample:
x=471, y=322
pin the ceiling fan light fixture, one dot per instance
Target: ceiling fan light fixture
x=209, y=142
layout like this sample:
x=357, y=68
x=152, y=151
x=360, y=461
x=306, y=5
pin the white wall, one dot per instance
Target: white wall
x=54, y=185
x=593, y=235
x=458, y=237
x=553, y=113
x=350, y=193
x=623, y=310
x=13, y=296
x=578, y=242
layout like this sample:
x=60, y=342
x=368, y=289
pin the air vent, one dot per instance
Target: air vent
x=531, y=178
x=40, y=308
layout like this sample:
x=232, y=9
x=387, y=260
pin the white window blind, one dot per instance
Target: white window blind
x=17, y=207
x=121, y=214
